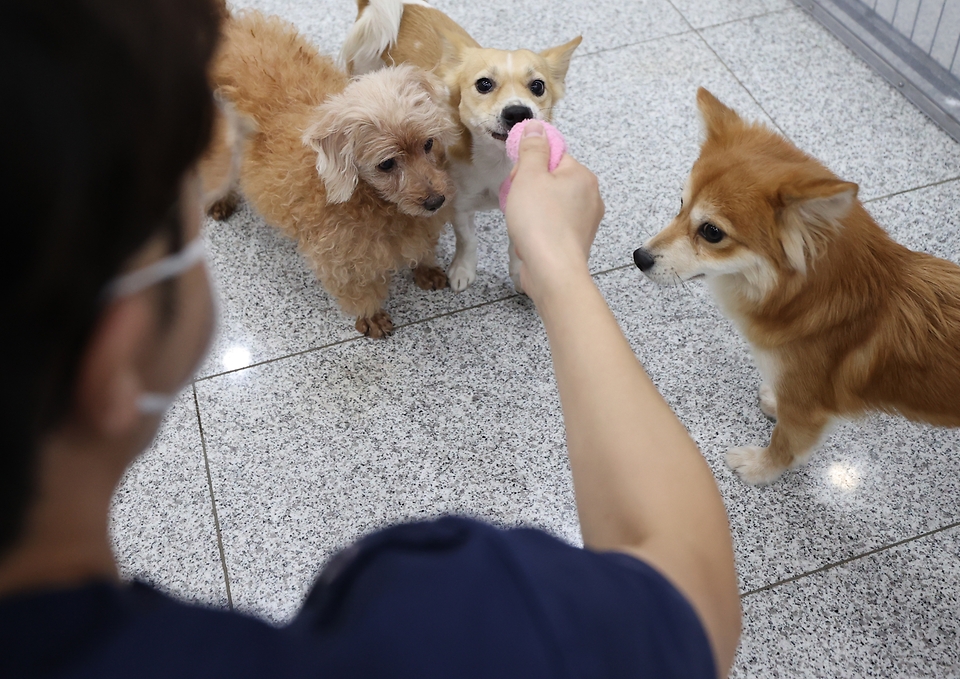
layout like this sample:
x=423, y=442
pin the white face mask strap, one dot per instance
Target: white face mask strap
x=170, y=266
x=155, y=404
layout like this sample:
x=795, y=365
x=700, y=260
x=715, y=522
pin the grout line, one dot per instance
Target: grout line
x=915, y=188
x=842, y=562
x=752, y=16
x=730, y=70
x=213, y=502
x=358, y=337
x=605, y=50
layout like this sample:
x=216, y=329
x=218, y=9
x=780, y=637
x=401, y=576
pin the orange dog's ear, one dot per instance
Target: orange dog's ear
x=329, y=136
x=559, y=58
x=812, y=210
x=717, y=116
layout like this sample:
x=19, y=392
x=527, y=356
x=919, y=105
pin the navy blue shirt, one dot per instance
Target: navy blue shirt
x=451, y=598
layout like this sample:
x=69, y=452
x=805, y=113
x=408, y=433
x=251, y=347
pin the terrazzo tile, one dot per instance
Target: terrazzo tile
x=892, y=614
x=873, y=482
x=538, y=24
x=456, y=415
x=924, y=220
x=631, y=117
x=702, y=13
x=832, y=105
x=271, y=304
x=161, y=520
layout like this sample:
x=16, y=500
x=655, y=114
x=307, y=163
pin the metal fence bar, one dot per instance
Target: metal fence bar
x=914, y=44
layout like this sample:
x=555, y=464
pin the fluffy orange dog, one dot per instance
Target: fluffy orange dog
x=841, y=319
x=491, y=89
x=355, y=171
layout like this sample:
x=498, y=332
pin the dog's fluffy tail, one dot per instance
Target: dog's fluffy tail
x=375, y=30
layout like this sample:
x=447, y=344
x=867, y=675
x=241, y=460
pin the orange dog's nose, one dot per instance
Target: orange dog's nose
x=643, y=259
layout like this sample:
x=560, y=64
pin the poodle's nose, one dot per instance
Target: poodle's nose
x=512, y=115
x=643, y=259
x=434, y=202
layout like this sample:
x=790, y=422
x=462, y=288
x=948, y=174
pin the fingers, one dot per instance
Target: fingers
x=534, y=154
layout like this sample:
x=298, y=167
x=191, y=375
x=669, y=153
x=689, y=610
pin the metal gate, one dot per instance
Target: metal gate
x=915, y=44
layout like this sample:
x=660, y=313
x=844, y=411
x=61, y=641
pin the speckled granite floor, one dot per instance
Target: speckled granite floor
x=299, y=436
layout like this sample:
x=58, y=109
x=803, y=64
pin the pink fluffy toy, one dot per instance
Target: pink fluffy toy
x=557, y=148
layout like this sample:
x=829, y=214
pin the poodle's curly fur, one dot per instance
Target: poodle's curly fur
x=355, y=171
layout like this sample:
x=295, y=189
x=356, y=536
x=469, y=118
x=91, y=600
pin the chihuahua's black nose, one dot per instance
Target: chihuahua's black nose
x=643, y=259
x=512, y=115
x=434, y=202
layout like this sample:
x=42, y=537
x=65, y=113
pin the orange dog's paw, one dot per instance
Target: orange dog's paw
x=430, y=278
x=377, y=326
x=753, y=465
x=768, y=401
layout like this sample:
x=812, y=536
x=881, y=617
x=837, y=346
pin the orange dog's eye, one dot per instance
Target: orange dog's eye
x=538, y=88
x=711, y=233
x=387, y=165
x=484, y=85
x=428, y=146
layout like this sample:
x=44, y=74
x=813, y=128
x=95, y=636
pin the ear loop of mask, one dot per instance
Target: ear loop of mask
x=127, y=284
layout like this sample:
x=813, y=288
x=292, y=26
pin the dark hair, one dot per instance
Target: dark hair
x=106, y=105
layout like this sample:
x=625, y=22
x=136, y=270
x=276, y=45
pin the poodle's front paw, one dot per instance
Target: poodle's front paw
x=753, y=465
x=430, y=278
x=461, y=274
x=768, y=401
x=224, y=208
x=377, y=326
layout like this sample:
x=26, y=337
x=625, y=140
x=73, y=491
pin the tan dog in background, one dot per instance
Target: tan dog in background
x=355, y=171
x=841, y=319
x=491, y=90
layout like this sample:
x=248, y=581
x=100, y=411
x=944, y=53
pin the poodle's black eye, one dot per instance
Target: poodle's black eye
x=538, y=88
x=711, y=233
x=428, y=146
x=484, y=85
x=387, y=165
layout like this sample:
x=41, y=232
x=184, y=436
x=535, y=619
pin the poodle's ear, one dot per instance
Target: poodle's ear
x=439, y=96
x=717, y=117
x=812, y=211
x=330, y=137
x=558, y=58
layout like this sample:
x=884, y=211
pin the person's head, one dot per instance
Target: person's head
x=107, y=108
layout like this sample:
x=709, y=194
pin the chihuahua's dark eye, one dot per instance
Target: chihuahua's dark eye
x=428, y=146
x=711, y=233
x=538, y=88
x=387, y=165
x=484, y=85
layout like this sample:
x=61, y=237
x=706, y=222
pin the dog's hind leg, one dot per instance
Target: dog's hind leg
x=463, y=268
x=768, y=401
x=796, y=435
x=223, y=208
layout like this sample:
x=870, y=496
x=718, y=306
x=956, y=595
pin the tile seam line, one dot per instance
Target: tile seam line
x=843, y=562
x=910, y=190
x=727, y=66
x=398, y=327
x=213, y=501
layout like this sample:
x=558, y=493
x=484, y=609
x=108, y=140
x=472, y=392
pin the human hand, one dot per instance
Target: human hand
x=552, y=217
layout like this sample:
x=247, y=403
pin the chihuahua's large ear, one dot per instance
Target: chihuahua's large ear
x=812, y=211
x=717, y=116
x=559, y=57
x=330, y=137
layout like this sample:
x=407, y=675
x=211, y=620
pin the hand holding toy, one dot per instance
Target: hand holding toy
x=557, y=148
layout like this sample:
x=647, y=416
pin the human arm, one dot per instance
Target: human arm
x=641, y=485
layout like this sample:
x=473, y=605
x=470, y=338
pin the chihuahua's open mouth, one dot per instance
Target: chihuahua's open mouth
x=502, y=136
